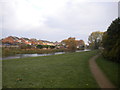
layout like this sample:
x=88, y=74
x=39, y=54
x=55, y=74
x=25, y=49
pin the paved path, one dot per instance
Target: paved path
x=101, y=79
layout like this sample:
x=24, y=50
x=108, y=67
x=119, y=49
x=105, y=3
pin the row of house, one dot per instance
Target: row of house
x=12, y=40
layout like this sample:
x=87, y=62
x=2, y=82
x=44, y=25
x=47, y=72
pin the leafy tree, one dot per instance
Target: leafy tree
x=80, y=44
x=111, y=41
x=70, y=43
x=45, y=46
x=52, y=47
x=24, y=46
x=28, y=46
x=39, y=46
x=95, y=39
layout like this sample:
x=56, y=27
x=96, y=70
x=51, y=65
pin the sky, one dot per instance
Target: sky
x=55, y=20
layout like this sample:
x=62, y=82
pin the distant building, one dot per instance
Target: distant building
x=48, y=43
x=12, y=40
x=24, y=41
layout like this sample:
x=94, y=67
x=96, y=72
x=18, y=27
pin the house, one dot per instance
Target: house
x=48, y=43
x=10, y=40
x=57, y=43
x=25, y=41
x=51, y=44
x=34, y=41
x=39, y=42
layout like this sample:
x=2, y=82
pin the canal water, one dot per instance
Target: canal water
x=35, y=55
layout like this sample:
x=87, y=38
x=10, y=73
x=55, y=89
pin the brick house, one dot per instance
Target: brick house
x=48, y=43
x=25, y=41
x=10, y=40
x=34, y=41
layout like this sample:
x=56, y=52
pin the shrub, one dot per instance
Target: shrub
x=111, y=41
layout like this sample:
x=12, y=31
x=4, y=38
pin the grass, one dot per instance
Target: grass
x=57, y=71
x=0, y=68
x=110, y=69
x=0, y=74
x=0, y=52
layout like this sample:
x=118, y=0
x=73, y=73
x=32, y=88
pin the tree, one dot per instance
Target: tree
x=24, y=46
x=28, y=46
x=45, y=46
x=52, y=47
x=80, y=44
x=111, y=41
x=95, y=39
x=70, y=43
x=39, y=46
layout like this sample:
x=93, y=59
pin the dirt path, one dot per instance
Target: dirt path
x=101, y=79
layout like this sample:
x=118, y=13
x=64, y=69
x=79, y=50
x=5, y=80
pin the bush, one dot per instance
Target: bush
x=39, y=46
x=45, y=46
x=111, y=41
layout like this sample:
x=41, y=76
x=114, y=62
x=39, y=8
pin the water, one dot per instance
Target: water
x=35, y=55
x=82, y=50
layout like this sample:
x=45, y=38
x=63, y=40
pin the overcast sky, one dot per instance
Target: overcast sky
x=55, y=20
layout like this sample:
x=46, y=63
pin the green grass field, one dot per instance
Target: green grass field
x=111, y=70
x=57, y=71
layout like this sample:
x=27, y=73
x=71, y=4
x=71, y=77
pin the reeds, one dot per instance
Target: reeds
x=14, y=51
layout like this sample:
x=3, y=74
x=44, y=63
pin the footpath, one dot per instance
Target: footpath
x=99, y=76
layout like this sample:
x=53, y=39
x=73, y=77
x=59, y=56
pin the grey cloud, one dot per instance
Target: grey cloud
x=77, y=20
x=73, y=18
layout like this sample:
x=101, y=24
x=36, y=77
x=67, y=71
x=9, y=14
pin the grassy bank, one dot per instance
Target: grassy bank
x=111, y=70
x=12, y=51
x=0, y=74
x=57, y=71
x=0, y=52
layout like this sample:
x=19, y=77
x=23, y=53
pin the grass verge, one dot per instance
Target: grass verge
x=111, y=69
x=57, y=71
